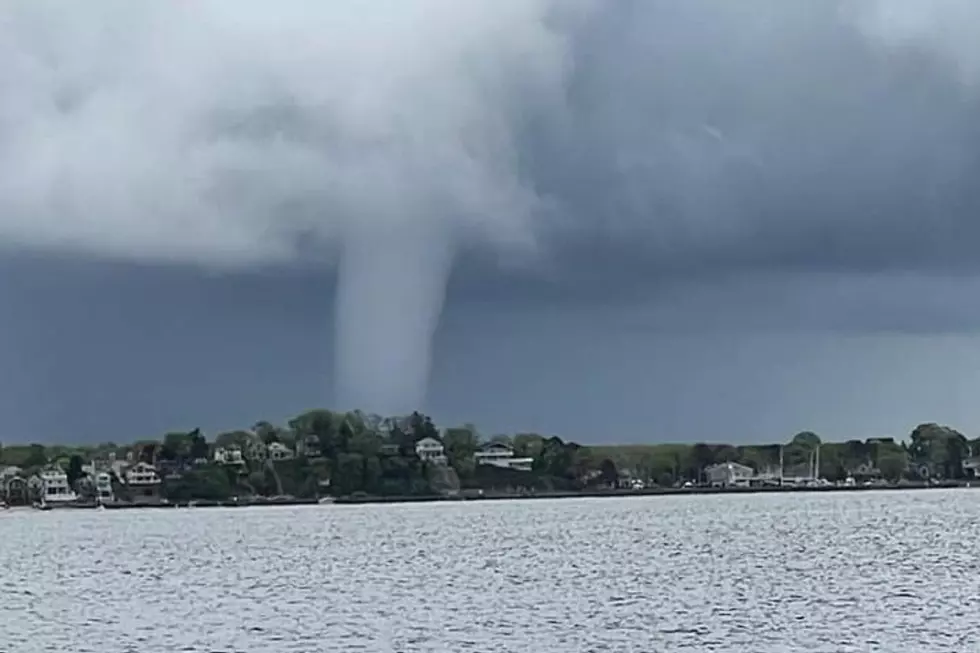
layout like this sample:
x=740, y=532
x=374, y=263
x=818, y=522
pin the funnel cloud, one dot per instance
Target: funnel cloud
x=583, y=146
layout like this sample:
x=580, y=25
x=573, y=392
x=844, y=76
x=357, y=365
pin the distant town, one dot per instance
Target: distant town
x=323, y=456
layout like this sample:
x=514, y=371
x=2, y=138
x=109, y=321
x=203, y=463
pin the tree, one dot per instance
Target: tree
x=266, y=432
x=527, y=445
x=893, y=464
x=460, y=443
x=806, y=440
x=942, y=448
x=702, y=455
x=608, y=474
x=37, y=456
x=323, y=425
x=176, y=446
x=348, y=474
x=198, y=445
x=74, y=472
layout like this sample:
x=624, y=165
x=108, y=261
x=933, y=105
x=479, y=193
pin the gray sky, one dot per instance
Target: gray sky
x=658, y=221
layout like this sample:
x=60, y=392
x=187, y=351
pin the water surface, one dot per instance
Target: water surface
x=872, y=571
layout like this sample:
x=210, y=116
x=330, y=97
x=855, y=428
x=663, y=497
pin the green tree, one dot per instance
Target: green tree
x=892, y=464
x=74, y=471
x=460, y=443
x=37, y=456
x=198, y=445
x=321, y=424
x=348, y=474
x=941, y=447
x=806, y=440
x=608, y=474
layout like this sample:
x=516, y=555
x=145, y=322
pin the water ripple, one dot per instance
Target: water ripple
x=768, y=574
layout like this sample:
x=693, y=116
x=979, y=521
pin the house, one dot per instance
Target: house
x=501, y=454
x=389, y=449
x=430, y=450
x=143, y=482
x=308, y=446
x=277, y=451
x=103, y=488
x=728, y=475
x=55, y=487
x=256, y=450
x=971, y=467
x=13, y=486
x=229, y=456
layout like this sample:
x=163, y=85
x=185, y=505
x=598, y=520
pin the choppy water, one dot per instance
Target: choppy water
x=875, y=571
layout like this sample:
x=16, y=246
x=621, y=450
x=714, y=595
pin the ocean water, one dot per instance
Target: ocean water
x=870, y=571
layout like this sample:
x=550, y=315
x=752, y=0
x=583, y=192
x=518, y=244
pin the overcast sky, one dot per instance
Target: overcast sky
x=664, y=221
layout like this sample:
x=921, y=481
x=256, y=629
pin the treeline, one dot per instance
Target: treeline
x=349, y=453
x=930, y=451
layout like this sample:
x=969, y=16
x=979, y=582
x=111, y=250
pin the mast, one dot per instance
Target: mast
x=780, y=465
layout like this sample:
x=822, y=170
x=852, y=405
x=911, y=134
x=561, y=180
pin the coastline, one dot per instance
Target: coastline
x=508, y=496
x=648, y=492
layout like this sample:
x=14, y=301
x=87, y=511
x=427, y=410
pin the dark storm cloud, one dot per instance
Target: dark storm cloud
x=663, y=137
x=603, y=175
x=703, y=138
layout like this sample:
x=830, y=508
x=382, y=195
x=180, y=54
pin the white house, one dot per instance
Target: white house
x=103, y=487
x=143, y=481
x=55, y=487
x=278, y=451
x=229, y=456
x=971, y=466
x=308, y=447
x=501, y=454
x=430, y=450
x=728, y=474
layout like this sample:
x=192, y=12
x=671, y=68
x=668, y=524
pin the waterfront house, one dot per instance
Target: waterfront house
x=256, y=450
x=143, y=482
x=277, y=451
x=13, y=486
x=728, y=475
x=229, y=456
x=309, y=447
x=971, y=467
x=103, y=487
x=431, y=450
x=55, y=487
x=501, y=454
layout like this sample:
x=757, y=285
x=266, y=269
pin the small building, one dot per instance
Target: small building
x=389, y=449
x=55, y=487
x=13, y=486
x=501, y=454
x=277, y=451
x=103, y=488
x=256, y=450
x=309, y=447
x=229, y=456
x=729, y=475
x=431, y=450
x=143, y=482
x=971, y=467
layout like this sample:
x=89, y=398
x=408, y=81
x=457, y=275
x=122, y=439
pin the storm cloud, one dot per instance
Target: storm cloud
x=651, y=158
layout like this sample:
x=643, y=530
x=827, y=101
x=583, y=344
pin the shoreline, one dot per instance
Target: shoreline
x=648, y=492
x=470, y=495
